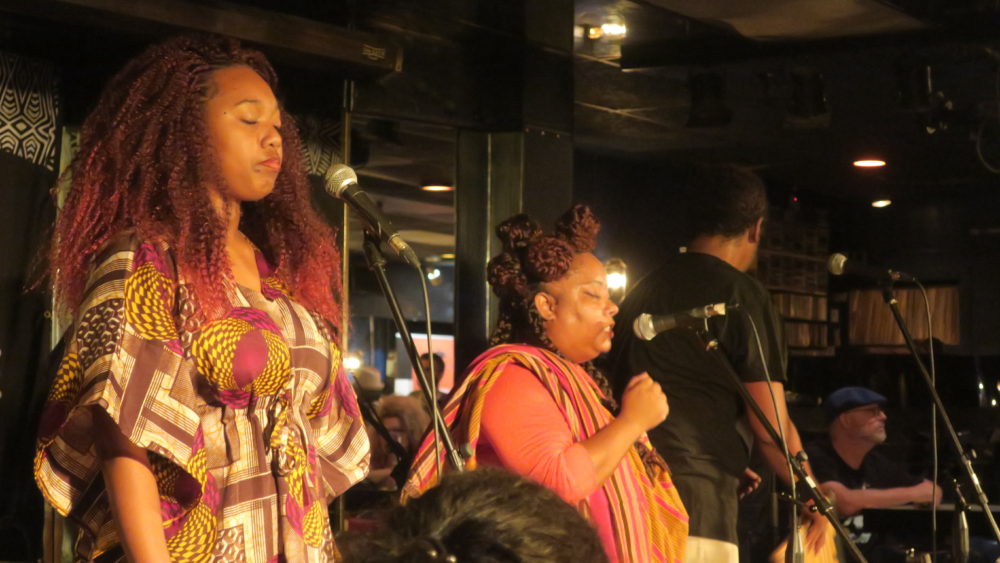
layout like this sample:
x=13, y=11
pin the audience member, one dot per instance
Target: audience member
x=483, y=516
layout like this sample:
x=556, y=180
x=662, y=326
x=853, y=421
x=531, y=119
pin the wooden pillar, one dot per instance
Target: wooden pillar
x=524, y=168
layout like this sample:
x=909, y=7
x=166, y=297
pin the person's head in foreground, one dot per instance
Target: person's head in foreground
x=484, y=516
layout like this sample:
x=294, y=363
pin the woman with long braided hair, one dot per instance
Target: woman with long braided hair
x=534, y=403
x=200, y=411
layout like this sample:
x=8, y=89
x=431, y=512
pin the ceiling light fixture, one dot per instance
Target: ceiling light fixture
x=614, y=30
x=882, y=203
x=869, y=163
x=448, y=256
x=437, y=188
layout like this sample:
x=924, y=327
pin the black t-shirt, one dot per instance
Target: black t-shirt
x=707, y=425
x=876, y=472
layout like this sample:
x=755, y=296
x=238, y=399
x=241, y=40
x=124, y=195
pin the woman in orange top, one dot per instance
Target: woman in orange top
x=536, y=405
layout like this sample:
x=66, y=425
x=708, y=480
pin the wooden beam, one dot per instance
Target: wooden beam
x=294, y=36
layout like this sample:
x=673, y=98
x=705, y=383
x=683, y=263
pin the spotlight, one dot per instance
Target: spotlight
x=434, y=276
x=869, y=163
x=617, y=273
x=880, y=203
x=437, y=188
x=614, y=30
x=352, y=362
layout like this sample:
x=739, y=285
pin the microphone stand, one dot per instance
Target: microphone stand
x=956, y=445
x=403, y=458
x=821, y=504
x=376, y=263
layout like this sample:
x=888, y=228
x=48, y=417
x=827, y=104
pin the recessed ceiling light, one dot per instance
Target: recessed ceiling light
x=451, y=256
x=869, y=163
x=882, y=203
x=437, y=188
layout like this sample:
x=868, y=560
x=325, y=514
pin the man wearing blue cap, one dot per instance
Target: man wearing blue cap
x=849, y=465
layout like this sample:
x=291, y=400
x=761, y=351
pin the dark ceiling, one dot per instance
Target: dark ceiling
x=808, y=87
x=797, y=89
x=817, y=87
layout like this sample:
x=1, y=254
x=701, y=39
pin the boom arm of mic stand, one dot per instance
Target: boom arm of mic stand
x=984, y=503
x=376, y=262
x=822, y=504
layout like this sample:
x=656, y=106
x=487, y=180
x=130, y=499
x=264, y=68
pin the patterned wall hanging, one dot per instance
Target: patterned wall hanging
x=29, y=107
x=320, y=142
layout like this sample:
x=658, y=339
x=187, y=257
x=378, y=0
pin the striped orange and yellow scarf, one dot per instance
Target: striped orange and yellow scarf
x=649, y=520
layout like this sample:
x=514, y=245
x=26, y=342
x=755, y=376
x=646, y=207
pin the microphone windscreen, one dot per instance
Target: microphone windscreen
x=337, y=178
x=643, y=328
x=836, y=264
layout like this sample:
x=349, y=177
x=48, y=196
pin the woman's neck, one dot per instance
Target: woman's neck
x=229, y=212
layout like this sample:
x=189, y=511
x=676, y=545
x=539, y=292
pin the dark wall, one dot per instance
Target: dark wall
x=950, y=241
x=637, y=203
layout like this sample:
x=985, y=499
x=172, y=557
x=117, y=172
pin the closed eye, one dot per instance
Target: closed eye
x=249, y=121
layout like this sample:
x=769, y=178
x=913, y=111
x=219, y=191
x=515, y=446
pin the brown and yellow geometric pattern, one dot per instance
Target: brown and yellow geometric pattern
x=161, y=384
x=149, y=298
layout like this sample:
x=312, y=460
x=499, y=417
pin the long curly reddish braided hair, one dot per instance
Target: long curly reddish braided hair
x=144, y=164
x=530, y=259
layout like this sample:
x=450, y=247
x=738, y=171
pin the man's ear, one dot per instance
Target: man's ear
x=546, y=305
x=755, y=230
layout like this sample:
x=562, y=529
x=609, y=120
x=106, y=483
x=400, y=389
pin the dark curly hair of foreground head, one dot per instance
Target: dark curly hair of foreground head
x=484, y=516
x=530, y=259
x=144, y=165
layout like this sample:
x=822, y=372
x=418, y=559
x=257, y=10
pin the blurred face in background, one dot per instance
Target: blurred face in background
x=866, y=423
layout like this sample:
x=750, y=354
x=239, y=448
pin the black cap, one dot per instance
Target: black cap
x=847, y=398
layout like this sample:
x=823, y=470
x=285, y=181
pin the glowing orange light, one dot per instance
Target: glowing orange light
x=869, y=163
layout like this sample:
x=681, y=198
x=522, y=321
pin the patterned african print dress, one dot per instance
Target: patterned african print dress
x=249, y=422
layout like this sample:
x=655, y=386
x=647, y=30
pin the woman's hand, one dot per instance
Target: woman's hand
x=644, y=403
x=748, y=483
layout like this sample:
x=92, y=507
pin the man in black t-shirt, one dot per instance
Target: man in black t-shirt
x=707, y=437
x=848, y=464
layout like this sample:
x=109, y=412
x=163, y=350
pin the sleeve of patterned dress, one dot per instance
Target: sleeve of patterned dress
x=341, y=445
x=123, y=357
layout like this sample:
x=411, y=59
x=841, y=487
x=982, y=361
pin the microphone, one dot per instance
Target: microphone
x=838, y=265
x=647, y=326
x=341, y=182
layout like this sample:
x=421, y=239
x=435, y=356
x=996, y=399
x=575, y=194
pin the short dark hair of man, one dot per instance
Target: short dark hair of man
x=722, y=199
x=484, y=516
x=438, y=363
